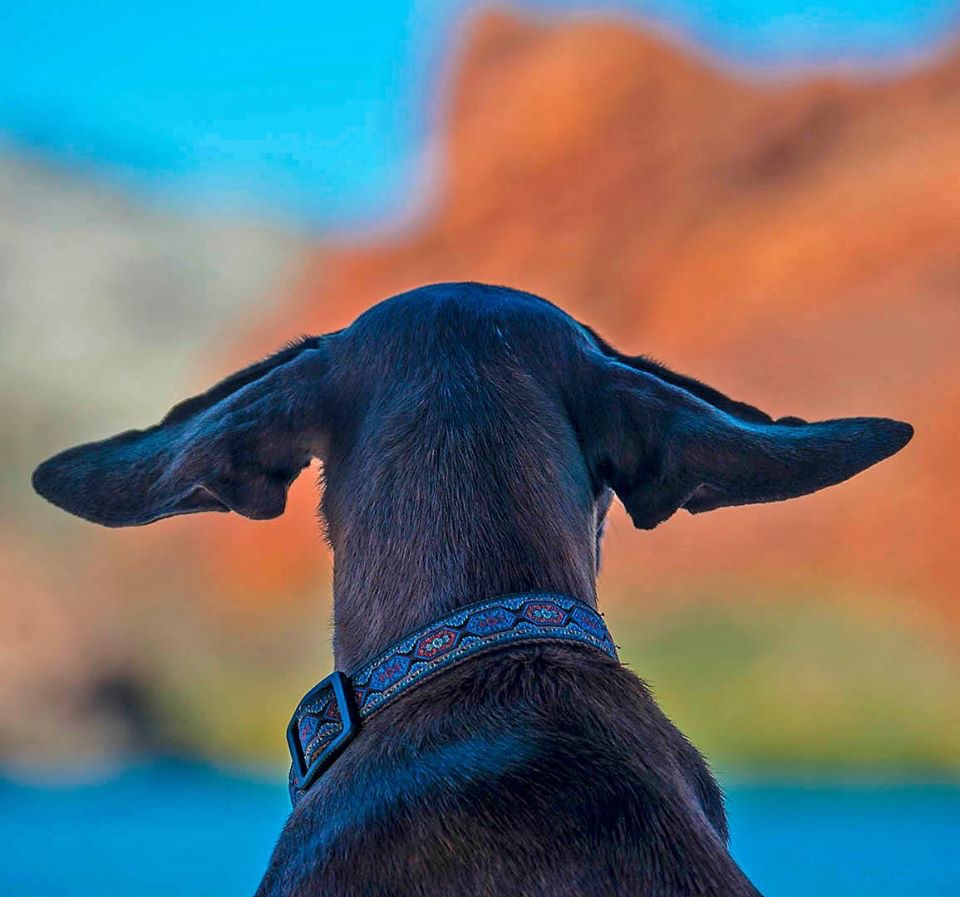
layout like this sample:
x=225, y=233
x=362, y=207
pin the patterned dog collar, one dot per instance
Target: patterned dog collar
x=329, y=715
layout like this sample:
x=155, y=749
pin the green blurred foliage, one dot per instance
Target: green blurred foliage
x=801, y=686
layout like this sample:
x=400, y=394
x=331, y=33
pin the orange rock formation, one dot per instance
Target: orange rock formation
x=795, y=243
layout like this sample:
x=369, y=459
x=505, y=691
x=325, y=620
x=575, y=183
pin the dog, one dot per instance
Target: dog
x=472, y=438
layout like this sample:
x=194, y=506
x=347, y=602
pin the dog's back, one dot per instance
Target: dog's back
x=542, y=770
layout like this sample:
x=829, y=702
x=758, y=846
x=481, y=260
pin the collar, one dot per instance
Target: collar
x=332, y=712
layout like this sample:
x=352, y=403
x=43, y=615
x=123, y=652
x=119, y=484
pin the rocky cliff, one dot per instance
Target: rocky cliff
x=795, y=243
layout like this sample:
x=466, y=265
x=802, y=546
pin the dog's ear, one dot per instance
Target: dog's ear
x=662, y=442
x=237, y=447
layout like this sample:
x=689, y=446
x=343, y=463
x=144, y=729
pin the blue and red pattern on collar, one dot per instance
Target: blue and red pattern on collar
x=329, y=715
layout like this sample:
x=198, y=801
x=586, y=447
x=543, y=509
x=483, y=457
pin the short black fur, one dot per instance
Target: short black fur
x=471, y=439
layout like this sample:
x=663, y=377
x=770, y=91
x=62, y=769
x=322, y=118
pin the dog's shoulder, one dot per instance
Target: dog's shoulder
x=546, y=764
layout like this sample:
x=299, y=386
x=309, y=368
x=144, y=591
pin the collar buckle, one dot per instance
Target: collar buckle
x=306, y=768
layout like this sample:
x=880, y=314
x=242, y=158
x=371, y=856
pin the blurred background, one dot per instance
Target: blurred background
x=760, y=193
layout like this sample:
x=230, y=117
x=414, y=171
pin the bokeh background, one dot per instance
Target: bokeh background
x=760, y=193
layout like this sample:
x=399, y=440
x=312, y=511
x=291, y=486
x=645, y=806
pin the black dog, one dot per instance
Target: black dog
x=472, y=438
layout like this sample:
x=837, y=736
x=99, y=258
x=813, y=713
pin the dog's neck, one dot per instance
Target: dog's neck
x=421, y=539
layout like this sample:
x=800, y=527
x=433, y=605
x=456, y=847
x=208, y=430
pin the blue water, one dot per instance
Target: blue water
x=319, y=110
x=152, y=829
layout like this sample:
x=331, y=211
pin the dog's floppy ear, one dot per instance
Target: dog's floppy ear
x=662, y=442
x=237, y=447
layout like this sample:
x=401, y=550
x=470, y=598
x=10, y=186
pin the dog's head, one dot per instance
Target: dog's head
x=460, y=383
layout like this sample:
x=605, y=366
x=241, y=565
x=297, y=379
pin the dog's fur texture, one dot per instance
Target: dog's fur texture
x=472, y=438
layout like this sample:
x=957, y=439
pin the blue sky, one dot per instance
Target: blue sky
x=316, y=111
